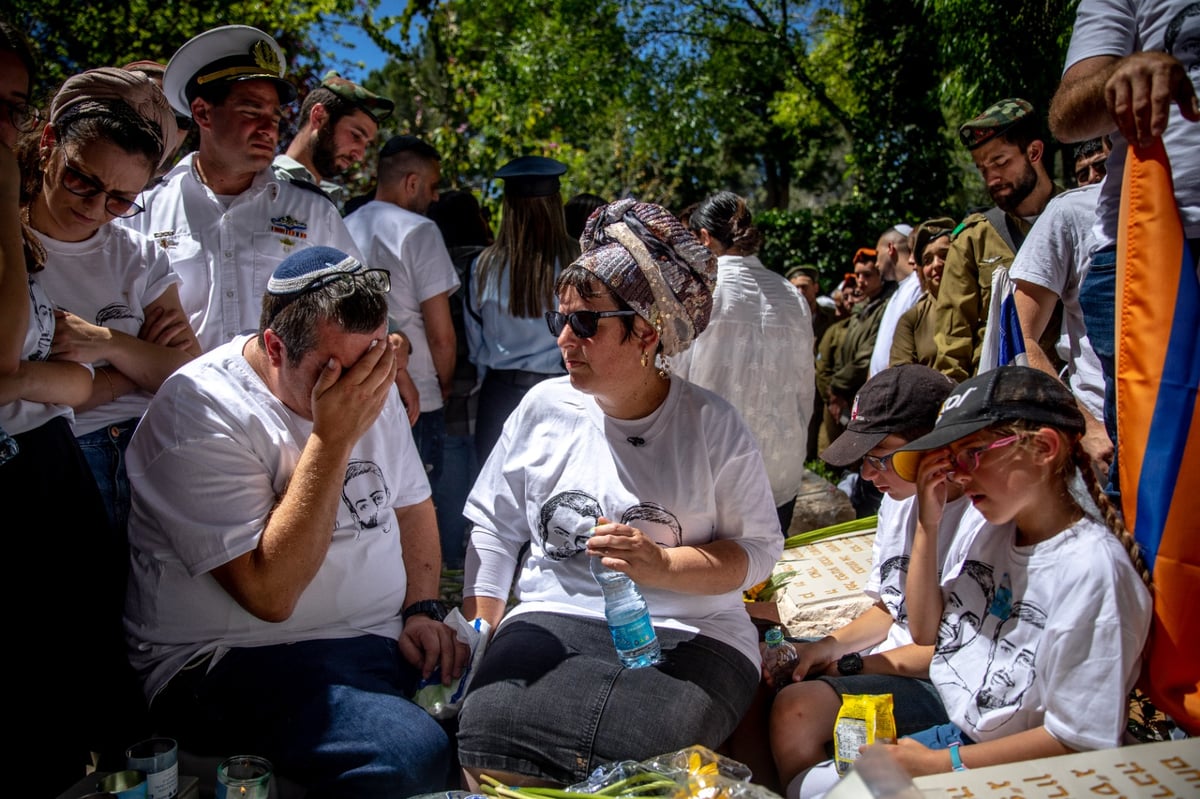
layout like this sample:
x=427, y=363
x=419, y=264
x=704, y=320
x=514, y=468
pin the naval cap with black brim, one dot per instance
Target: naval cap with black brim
x=531, y=176
x=222, y=55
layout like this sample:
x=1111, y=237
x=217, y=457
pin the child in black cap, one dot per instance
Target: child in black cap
x=1039, y=618
x=874, y=653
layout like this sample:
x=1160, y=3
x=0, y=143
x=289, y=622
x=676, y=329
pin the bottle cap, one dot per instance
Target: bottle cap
x=774, y=635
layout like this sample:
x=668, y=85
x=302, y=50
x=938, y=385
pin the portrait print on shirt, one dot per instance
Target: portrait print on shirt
x=965, y=609
x=43, y=322
x=567, y=519
x=366, y=494
x=565, y=523
x=892, y=574
x=117, y=310
x=656, y=523
x=1182, y=38
x=1010, y=669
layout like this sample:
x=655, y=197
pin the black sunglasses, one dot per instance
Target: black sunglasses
x=583, y=323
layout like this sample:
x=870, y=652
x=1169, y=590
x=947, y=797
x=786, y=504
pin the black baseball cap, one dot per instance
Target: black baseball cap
x=902, y=400
x=1007, y=394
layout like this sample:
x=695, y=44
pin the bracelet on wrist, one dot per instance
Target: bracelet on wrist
x=956, y=759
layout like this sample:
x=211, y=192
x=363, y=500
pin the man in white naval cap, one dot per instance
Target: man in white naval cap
x=221, y=214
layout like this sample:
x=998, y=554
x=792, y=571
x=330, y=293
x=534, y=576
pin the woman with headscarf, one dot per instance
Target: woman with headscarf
x=913, y=342
x=511, y=286
x=551, y=701
x=84, y=168
x=116, y=298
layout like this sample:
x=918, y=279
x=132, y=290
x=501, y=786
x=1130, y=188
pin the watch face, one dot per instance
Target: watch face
x=850, y=664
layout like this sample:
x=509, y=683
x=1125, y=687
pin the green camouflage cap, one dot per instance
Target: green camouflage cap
x=993, y=122
x=376, y=107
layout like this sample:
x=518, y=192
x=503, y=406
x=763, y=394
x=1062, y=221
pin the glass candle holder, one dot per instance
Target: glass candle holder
x=243, y=777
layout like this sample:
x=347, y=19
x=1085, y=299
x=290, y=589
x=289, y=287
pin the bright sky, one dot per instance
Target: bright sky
x=346, y=59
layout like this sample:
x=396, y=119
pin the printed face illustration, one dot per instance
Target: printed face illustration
x=365, y=494
x=1008, y=681
x=566, y=523
x=965, y=608
x=959, y=625
x=1011, y=668
x=567, y=533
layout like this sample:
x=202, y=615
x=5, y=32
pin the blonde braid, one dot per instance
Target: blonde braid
x=1112, y=518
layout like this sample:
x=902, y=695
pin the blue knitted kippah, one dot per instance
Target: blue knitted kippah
x=300, y=270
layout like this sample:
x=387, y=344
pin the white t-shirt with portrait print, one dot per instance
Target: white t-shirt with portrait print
x=693, y=476
x=107, y=280
x=212, y=455
x=890, y=555
x=1049, y=634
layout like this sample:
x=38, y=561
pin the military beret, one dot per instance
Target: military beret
x=222, y=55
x=993, y=122
x=531, y=176
x=377, y=107
x=804, y=269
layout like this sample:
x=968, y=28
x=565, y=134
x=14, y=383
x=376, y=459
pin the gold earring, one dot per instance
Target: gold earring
x=645, y=359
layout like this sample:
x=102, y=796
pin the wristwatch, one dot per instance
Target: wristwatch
x=849, y=665
x=433, y=608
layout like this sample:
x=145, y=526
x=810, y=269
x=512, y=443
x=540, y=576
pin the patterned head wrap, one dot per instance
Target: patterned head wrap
x=653, y=263
x=132, y=88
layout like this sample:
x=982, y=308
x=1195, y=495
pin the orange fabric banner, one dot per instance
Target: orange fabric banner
x=1158, y=423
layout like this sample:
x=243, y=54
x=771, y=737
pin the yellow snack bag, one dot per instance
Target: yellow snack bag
x=864, y=719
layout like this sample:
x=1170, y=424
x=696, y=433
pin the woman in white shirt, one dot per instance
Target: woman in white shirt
x=656, y=477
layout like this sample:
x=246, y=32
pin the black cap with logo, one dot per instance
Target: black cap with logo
x=902, y=400
x=1007, y=394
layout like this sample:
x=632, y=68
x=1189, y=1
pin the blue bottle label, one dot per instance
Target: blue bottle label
x=634, y=635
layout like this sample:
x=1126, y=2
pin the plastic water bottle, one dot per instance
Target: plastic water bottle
x=780, y=658
x=628, y=618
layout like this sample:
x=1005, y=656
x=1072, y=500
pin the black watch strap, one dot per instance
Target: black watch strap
x=849, y=665
x=433, y=608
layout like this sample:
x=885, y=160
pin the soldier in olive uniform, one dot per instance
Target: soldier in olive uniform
x=1006, y=145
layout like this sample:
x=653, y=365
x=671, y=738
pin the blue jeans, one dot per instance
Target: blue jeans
x=1098, y=300
x=104, y=450
x=429, y=434
x=460, y=468
x=331, y=715
x=941, y=736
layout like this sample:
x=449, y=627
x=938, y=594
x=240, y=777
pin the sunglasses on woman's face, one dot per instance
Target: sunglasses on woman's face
x=584, y=324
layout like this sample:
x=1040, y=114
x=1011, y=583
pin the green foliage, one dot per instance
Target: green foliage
x=70, y=37
x=823, y=470
x=849, y=106
x=825, y=238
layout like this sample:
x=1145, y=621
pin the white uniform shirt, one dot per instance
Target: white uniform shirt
x=410, y=247
x=225, y=251
x=1119, y=28
x=1049, y=634
x=695, y=477
x=906, y=296
x=1056, y=256
x=757, y=353
x=107, y=280
x=213, y=453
